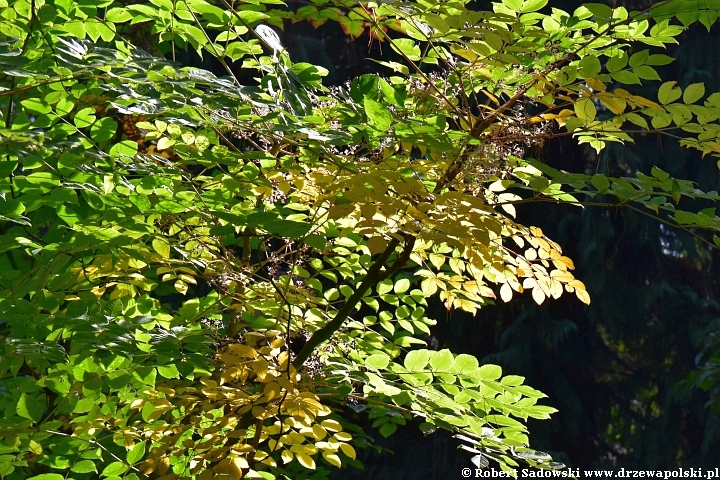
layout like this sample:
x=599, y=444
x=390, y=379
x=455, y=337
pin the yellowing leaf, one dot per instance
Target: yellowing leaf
x=437, y=260
x=161, y=246
x=429, y=286
x=165, y=143
x=286, y=456
x=585, y=110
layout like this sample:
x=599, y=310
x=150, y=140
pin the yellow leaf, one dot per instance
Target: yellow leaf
x=596, y=84
x=163, y=465
x=339, y=211
x=376, y=244
x=429, y=286
x=436, y=260
x=319, y=432
x=555, y=289
x=332, y=459
x=536, y=231
x=286, y=456
x=562, y=276
x=583, y=295
x=243, y=350
x=167, y=276
x=187, y=278
x=368, y=210
x=506, y=293
x=348, y=450
x=240, y=462
x=332, y=425
x=613, y=104
x=538, y=295
x=343, y=436
x=181, y=287
x=306, y=460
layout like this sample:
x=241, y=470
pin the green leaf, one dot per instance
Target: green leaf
x=378, y=361
x=417, y=360
x=659, y=60
x=676, y=191
x=401, y=286
x=272, y=223
x=659, y=174
x=646, y=73
x=489, y=372
x=384, y=287
x=600, y=182
x=533, y=5
x=318, y=242
x=146, y=375
x=639, y=58
x=115, y=468
x=465, y=364
x=626, y=77
x=378, y=115
x=589, y=66
x=669, y=92
x=118, y=15
x=512, y=380
x=617, y=62
x=599, y=10
x=103, y=130
x=168, y=371
x=29, y=407
x=124, y=148
x=408, y=47
x=36, y=106
x=693, y=93
x=585, y=110
x=136, y=454
x=47, y=476
x=84, y=466
x=442, y=361
x=84, y=118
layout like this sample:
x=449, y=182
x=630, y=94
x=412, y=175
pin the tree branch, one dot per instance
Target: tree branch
x=373, y=276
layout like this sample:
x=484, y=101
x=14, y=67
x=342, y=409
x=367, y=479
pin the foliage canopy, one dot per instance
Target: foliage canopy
x=167, y=233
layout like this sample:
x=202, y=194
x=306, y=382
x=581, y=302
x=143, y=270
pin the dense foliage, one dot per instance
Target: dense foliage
x=198, y=273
